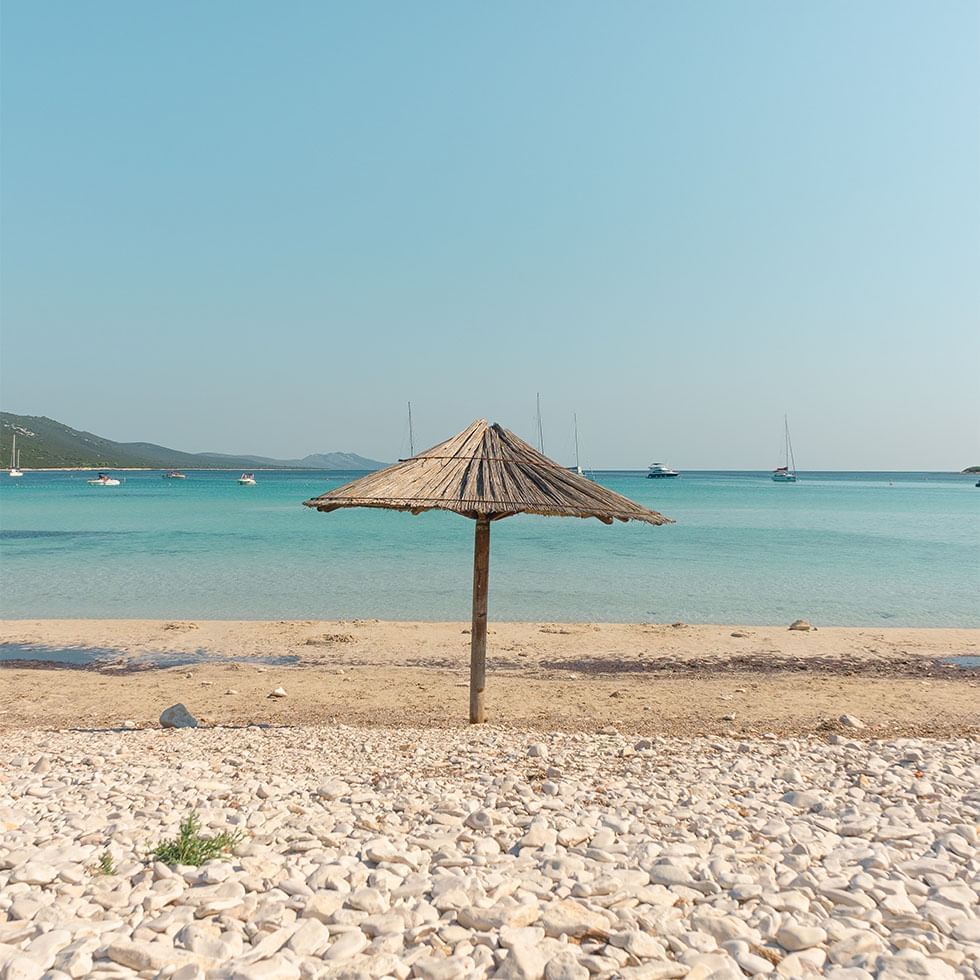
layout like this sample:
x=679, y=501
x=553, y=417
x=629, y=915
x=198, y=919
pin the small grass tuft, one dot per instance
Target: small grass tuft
x=106, y=864
x=190, y=846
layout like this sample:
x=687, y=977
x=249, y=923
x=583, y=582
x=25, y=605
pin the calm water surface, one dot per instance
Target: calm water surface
x=875, y=549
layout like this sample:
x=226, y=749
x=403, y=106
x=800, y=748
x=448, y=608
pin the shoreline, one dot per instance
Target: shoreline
x=646, y=679
x=971, y=633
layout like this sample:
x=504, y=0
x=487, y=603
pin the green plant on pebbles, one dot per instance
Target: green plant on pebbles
x=106, y=864
x=192, y=847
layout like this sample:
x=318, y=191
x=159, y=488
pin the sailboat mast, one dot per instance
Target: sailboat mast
x=540, y=430
x=578, y=464
x=13, y=453
x=790, y=458
x=411, y=433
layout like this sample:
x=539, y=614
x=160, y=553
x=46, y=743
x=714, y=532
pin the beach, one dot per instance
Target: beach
x=647, y=801
x=667, y=679
x=487, y=852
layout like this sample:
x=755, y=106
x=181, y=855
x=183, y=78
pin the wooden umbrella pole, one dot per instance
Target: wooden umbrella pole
x=478, y=631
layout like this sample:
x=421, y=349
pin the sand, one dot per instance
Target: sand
x=644, y=679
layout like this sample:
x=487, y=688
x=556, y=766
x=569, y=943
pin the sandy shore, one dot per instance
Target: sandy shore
x=644, y=679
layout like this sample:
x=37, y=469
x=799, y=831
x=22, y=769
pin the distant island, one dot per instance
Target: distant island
x=43, y=443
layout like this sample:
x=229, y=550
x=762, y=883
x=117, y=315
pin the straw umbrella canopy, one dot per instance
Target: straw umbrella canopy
x=485, y=473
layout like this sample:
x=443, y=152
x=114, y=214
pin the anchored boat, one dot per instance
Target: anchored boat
x=15, y=469
x=787, y=473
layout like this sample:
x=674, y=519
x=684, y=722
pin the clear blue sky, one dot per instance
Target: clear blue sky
x=265, y=227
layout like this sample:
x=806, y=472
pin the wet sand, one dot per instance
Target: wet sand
x=646, y=679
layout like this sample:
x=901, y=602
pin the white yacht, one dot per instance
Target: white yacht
x=659, y=470
x=577, y=468
x=15, y=469
x=247, y=480
x=787, y=473
x=104, y=480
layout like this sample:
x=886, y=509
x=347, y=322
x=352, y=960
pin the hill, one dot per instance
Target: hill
x=44, y=443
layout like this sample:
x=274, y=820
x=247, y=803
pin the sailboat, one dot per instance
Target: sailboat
x=577, y=468
x=786, y=473
x=15, y=469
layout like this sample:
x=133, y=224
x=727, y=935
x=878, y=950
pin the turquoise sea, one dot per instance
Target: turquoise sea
x=871, y=549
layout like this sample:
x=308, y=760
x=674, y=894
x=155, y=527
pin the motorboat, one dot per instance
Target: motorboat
x=658, y=471
x=786, y=473
x=174, y=475
x=15, y=469
x=246, y=480
x=104, y=480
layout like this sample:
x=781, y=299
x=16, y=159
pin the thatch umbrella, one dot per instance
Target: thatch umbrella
x=486, y=473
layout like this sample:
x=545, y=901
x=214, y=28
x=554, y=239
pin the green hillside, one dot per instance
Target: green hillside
x=44, y=443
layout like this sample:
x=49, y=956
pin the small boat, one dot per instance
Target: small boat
x=246, y=480
x=577, y=468
x=174, y=475
x=787, y=473
x=104, y=480
x=658, y=471
x=15, y=469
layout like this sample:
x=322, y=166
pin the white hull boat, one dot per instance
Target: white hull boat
x=577, y=468
x=104, y=480
x=246, y=480
x=660, y=471
x=787, y=472
x=15, y=469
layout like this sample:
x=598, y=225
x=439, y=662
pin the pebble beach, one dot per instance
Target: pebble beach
x=489, y=852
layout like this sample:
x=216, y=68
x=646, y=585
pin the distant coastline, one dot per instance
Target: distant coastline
x=46, y=444
x=198, y=469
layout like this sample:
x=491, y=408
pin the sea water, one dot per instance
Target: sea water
x=858, y=549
